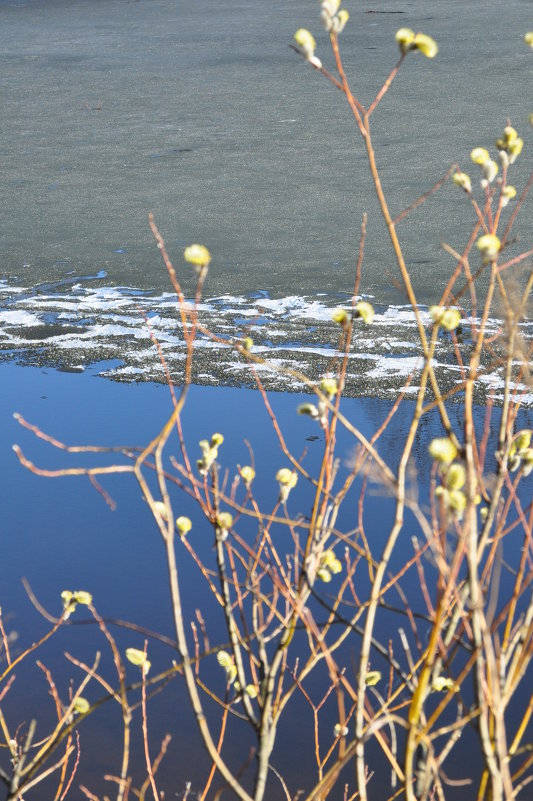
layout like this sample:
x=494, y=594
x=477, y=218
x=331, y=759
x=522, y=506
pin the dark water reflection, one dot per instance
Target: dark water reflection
x=60, y=534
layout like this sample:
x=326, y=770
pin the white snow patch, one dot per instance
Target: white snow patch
x=20, y=318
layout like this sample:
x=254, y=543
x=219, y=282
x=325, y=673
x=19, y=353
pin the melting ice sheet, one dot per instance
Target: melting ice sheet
x=141, y=333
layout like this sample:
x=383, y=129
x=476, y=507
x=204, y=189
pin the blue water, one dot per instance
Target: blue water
x=59, y=534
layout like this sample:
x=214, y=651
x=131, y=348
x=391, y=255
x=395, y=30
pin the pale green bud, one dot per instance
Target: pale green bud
x=508, y=193
x=365, y=311
x=509, y=134
x=442, y=450
x=339, y=21
x=335, y=566
x=305, y=41
x=251, y=690
x=330, y=6
x=82, y=597
x=441, y=683
x=224, y=659
x=138, y=658
x=81, y=706
x=224, y=521
x=287, y=480
x=442, y=492
x=515, y=148
x=247, y=474
x=315, y=61
x=511, y=144
x=427, y=46
x=436, y=312
x=490, y=171
x=450, y=319
x=372, y=677
x=514, y=463
x=197, y=255
x=226, y=662
x=330, y=561
x=210, y=452
x=184, y=525
x=286, y=477
x=326, y=20
x=457, y=502
x=340, y=731
x=523, y=440
x=71, y=599
x=462, y=180
x=405, y=38
x=528, y=38
x=340, y=316
x=489, y=245
x=527, y=461
x=308, y=409
x=161, y=509
x=479, y=155
x=455, y=477
x=503, y=155
x=329, y=387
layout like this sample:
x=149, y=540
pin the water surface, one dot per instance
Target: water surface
x=201, y=113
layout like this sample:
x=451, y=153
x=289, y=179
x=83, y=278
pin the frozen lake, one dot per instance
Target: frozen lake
x=200, y=113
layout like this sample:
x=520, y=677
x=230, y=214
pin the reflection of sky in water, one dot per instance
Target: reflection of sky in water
x=60, y=534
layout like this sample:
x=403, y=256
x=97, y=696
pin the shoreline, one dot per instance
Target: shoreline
x=87, y=323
